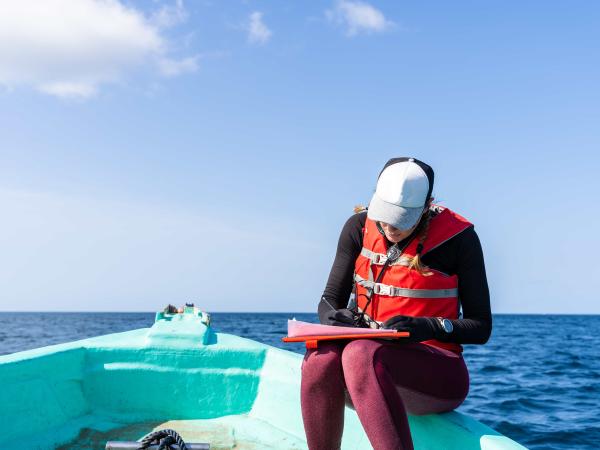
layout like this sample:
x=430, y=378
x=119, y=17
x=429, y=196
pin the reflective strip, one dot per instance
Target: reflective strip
x=379, y=259
x=367, y=284
x=393, y=291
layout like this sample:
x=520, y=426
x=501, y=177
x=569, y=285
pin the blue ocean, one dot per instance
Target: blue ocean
x=537, y=380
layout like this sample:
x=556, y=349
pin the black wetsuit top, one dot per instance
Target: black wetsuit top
x=461, y=256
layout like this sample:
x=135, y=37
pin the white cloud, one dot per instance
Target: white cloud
x=80, y=90
x=70, y=48
x=173, y=67
x=170, y=15
x=358, y=17
x=258, y=32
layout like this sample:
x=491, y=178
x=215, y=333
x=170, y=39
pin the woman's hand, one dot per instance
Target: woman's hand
x=420, y=328
x=330, y=315
x=340, y=318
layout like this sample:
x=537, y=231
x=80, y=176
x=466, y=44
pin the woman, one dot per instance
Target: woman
x=408, y=263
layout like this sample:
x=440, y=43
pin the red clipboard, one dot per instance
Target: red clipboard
x=313, y=341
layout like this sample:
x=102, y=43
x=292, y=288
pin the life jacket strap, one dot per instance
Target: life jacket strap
x=379, y=259
x=395, y=291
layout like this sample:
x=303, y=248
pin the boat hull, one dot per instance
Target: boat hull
x=210, y=387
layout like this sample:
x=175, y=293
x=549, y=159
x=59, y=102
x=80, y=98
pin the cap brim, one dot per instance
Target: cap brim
x=398, y=216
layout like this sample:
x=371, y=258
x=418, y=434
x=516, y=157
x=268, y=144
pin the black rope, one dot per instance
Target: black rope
x=165, y=440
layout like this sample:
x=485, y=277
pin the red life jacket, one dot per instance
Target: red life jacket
x=402, y=291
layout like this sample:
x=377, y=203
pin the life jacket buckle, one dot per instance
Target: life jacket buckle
x=382, y=289
x=379, y=259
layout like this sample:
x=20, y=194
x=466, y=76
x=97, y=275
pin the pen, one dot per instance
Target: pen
x=328, y=304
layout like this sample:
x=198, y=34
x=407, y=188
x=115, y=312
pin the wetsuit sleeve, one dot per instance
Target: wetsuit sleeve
x=339, y=284
x=476, y=325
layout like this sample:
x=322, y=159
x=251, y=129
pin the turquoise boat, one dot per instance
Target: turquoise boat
x=215, y=388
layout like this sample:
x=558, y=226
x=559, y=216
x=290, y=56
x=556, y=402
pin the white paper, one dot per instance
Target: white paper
x=297, y=328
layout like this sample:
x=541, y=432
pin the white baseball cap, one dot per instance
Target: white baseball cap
x=403, y=189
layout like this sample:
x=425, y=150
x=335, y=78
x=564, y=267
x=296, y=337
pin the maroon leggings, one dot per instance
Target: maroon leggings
x=384, y=380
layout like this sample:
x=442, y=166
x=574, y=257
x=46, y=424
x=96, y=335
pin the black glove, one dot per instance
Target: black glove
x=341, y=318
x=329, y=315
x=420, y=328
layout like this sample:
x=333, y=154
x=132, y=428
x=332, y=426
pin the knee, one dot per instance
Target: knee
x=358, y=357
x=322, y=363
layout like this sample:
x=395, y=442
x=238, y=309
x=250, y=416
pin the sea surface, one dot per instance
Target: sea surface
x=537, y=380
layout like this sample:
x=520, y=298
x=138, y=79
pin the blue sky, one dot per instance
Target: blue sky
x=156, y=152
